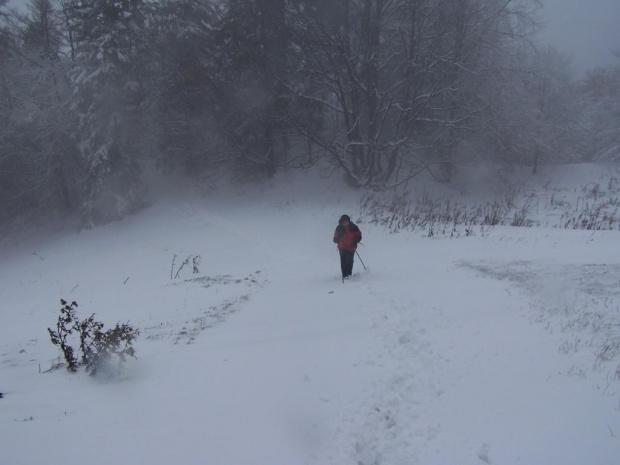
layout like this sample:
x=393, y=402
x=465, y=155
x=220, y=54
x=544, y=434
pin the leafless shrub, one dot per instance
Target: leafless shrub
x=554, y=202
x=608, y=351
x=520, y=218
x=596, y=208
x=194, y=259
x=592, y=217
x=99, y=348
x=438, y=217
x=511, y=195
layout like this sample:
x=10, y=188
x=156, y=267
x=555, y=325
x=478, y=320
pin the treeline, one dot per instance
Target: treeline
x=92, y=91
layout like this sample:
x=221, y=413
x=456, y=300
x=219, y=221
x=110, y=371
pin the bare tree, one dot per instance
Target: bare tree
x=397, y=77
x=36, y=163
x=601, y=96
x=534, y=110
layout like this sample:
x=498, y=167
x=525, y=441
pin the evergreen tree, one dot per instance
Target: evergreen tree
x=106, y=99
x=254, y=41
x=178, y=90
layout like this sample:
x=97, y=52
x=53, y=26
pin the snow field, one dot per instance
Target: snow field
x=444, y=351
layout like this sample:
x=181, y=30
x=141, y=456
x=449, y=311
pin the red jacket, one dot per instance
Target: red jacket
x=347, y=237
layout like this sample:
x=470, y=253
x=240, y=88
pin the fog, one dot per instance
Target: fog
x=257, y=87
x=587, y=31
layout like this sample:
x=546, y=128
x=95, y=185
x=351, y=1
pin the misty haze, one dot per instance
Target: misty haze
x=187, y=169
x=97, y=95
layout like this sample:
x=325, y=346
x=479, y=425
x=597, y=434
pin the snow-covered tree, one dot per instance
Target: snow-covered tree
x=107, y=93
x=37, y=157
x=400, y=79
x=534, y=110
x=90, y=90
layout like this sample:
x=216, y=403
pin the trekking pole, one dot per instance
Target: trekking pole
x=358, y=256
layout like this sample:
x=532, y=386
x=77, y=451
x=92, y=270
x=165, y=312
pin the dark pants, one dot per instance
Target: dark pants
x=346, y=262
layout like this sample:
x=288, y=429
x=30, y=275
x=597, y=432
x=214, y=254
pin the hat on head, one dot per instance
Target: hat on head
x=344, y=218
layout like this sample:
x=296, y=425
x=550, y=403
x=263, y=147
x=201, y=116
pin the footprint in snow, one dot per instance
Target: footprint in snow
x=483, y=453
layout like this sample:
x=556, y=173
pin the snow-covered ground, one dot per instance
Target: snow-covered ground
x=501, y=347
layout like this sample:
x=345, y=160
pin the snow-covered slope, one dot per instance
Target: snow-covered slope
x=500, y=347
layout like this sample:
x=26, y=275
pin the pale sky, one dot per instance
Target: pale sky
x=586, y=30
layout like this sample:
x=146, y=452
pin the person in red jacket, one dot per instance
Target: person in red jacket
x=347, y=236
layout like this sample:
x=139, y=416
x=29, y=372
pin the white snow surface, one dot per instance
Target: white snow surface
x=498, y=348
